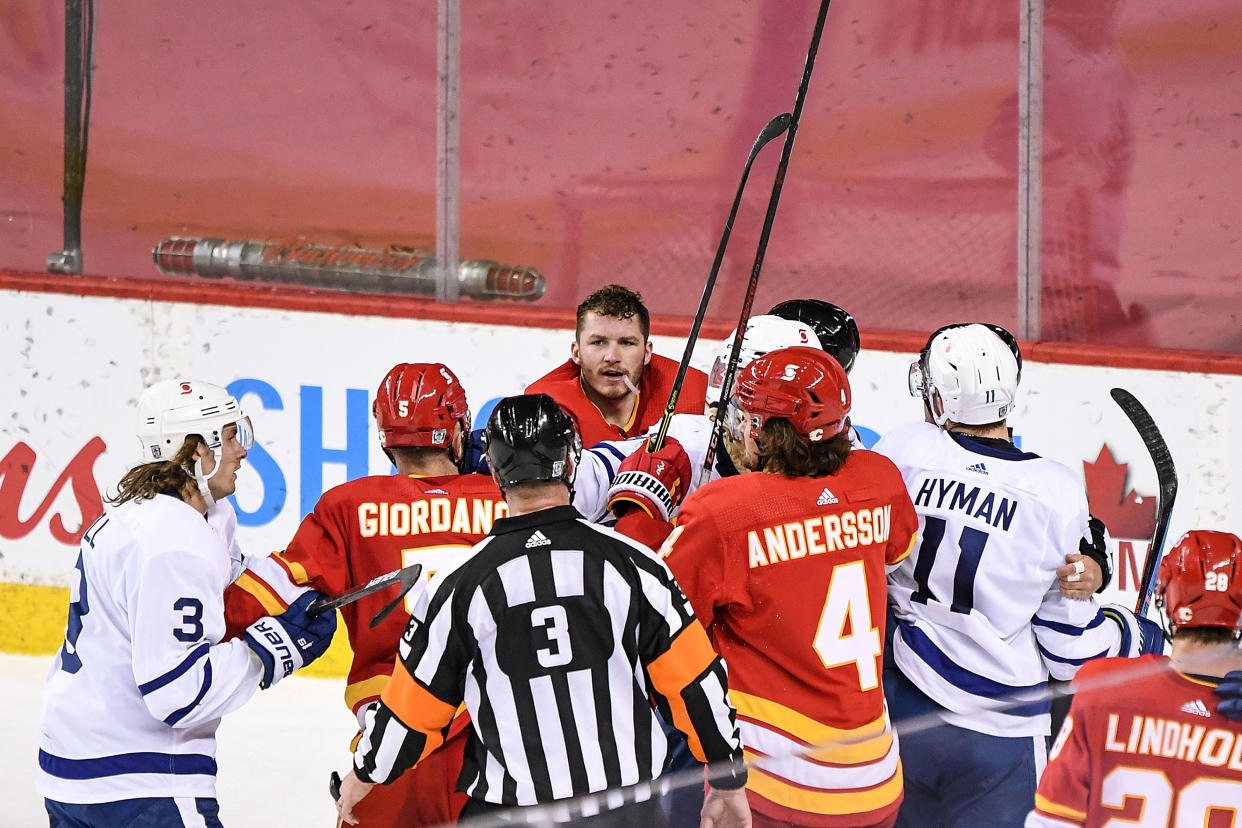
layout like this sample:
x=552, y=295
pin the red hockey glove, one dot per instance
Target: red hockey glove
x=653, y=481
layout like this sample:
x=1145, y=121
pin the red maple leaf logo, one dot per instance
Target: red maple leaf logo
x=1127, y=514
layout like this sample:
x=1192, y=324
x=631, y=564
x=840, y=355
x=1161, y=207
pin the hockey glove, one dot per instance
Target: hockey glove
x=654, y=481
x=1095, y=547
x=1230, y=692
x=1139, y=635
x=291, y=640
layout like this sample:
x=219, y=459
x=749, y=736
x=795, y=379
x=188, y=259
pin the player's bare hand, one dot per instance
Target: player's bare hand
x=1080, y=577
x=353, y=790
x=725, y=809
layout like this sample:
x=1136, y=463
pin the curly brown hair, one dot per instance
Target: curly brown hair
x=782, y=450
x=170, y=477
x=616, y=301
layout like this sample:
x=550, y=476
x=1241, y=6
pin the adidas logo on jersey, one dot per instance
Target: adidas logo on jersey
x=1197, y=708
x=978, y=467
x=537, y=539
x=826, y=497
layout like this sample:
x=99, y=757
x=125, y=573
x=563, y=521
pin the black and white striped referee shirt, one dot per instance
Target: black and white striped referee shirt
x=557, y=633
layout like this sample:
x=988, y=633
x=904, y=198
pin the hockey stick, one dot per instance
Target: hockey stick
x=752, y=287
x=1166, y=477
x=405, y=577
x=79, y=69
x=774, y=127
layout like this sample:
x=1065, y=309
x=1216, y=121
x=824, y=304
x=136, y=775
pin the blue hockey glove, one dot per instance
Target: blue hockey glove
x=474, y=459
x=291, y=640
x=1139, y=635
x=1230, y=692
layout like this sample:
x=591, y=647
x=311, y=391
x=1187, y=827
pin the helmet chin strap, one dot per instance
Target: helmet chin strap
x=201, y=479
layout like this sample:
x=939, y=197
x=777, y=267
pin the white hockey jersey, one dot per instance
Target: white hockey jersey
x=131, y=704
x=980, y=620
x=222, y=517
x=598, y=465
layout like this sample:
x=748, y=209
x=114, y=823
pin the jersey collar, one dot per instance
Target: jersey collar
x=518, y=523
x=990, y=447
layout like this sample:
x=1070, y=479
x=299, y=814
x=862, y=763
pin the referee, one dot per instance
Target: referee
x=551, y=633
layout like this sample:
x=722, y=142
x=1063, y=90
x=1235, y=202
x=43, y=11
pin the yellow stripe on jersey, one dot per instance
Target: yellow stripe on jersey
x=296, y=571
x=359, y=691
x=867, y=743
x=913, y=540
x=260, y=591
x=1046, y=805
x=781, y=792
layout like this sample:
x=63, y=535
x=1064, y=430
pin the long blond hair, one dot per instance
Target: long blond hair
x=170, y=477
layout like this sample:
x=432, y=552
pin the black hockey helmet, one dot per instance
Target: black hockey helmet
x=836, y=329
x=530, y=439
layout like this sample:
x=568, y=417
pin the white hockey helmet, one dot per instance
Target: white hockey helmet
x=171, y=410
x=764, y=333
x=967, y=374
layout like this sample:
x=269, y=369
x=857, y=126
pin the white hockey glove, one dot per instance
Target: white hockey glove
x=291, y=640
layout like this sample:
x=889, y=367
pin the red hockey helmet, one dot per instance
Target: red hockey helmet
x=1200, y=581
x=803, y=385
x=417, y=405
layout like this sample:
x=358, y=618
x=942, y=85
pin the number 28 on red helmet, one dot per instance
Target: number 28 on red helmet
x=803, y=385
x=417, y=404
x=1200, y=581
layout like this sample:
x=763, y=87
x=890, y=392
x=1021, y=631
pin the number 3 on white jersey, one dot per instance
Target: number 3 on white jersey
x=847, y=599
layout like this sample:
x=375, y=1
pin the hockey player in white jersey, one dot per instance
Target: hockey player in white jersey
x=978, y=621
x=133, y=698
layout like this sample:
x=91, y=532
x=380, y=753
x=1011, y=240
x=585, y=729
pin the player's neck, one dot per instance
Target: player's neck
x=430, y=467
x=1205, y=659
x=996, y=431
x=525, y=498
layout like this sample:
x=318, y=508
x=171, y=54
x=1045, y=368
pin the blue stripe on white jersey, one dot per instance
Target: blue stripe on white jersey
x=156, y=683
x=177, y=764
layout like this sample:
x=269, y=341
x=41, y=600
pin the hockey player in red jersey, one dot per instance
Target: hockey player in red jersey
x=612, y=384
x=1143, y=743
x=427, y=513
x=785, y=567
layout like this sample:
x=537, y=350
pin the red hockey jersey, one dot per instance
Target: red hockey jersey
x=362, y=529
x=787, y=573
x=563, y=385
x=1142, y=744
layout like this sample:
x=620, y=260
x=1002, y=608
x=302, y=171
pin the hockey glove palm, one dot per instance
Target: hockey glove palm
x=291, y=640
x=1230, y=692
x=654, y=481
x=1139, y=635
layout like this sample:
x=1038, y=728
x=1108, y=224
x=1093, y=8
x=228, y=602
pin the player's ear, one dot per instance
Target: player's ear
x=574, y=353
x=647, y=355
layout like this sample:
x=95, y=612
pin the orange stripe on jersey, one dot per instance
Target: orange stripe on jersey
x=824, y=802
x=417, y=709
x=1046, y=805
x=684, y=661
x=867, y=743
x=913, y=540
x=360, y=692
x=258, y=589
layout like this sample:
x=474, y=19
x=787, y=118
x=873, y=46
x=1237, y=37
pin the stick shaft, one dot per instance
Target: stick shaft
x=752, y=287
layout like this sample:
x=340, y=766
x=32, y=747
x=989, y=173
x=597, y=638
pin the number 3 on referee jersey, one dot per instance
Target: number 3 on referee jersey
x=555, y=625
x=847, y=601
